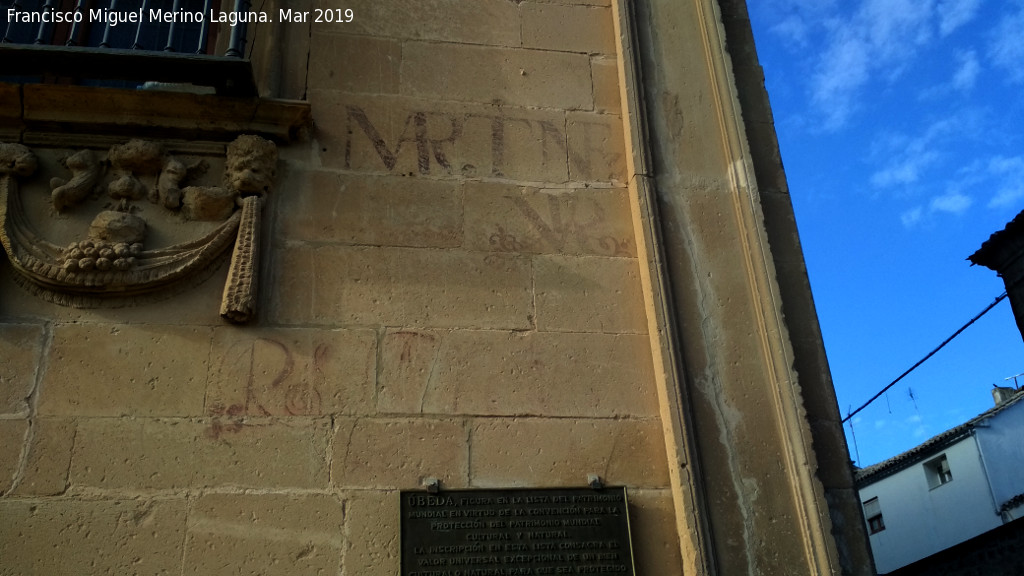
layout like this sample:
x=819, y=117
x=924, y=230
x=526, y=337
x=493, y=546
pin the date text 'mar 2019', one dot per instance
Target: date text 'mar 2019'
x=318, y=15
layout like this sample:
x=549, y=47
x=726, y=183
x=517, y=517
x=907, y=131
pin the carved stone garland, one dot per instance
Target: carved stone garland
x=112, y=267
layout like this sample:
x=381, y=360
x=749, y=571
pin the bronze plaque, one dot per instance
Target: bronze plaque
x=516, y=532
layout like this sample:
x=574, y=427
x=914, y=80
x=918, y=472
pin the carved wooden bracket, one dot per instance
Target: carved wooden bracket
x=112, y=263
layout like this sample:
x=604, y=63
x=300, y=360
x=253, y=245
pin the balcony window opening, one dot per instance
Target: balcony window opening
x=873, y=514
x=126, y=43
x=102, y=24
x=937, y=472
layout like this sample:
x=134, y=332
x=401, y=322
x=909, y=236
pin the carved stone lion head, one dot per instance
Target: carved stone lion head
x=17, y=160
x=250, y=166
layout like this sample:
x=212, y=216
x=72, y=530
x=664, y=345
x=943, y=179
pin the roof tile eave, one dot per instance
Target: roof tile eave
x=934, y=444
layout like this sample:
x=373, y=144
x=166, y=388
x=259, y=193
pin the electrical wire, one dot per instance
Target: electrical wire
x=856, y=449
x=922, y=360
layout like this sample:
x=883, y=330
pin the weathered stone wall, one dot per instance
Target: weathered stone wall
x=518, y=243
x=450, y=289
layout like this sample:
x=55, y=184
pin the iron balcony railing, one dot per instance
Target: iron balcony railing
x=126, y=43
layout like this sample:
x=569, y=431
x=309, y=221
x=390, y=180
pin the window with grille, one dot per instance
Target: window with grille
x=126, y=43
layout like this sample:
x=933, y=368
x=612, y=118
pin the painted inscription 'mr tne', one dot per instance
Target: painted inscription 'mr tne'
x=539, y=147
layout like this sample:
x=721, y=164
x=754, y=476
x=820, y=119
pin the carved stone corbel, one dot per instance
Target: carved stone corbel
x=249, y=171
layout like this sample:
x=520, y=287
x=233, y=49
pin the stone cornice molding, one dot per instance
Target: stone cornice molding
x=81, y=115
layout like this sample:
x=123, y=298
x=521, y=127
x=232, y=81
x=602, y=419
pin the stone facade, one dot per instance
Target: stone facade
x=517, y=244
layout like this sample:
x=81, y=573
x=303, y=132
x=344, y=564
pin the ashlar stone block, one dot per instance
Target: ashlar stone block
x=402, y=287
x=515, y=76
x=374, y=211
x=517, y=373
x=49, y=458
x=270, y=534
x=597, y=148
x=589, y=294
x=20, y=348
x=561, y=452
x=125, y=369
x=12, y=443
x=577, y=2
x=92, y=536
x=356, y=64
x=509, y=218
x=652, y=520
x=591, y=32
x=605, y=74
x=270, y=453
x=298, y=372
x=371, y=533
x=390, y=454
x=409, y=362
x=157, y=454
x=493, y=22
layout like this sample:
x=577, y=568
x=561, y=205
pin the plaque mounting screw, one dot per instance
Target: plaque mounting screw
x=433, y=485
x=594, y=481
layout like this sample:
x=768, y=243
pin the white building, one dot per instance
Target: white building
x=953, y=487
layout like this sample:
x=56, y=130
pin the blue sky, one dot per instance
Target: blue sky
x=901, y=126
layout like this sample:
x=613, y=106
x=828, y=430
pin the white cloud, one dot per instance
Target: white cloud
x=793, y=19
x=1006, y=47
x=813, y=5
x=869, y=41
x=1008, y=196
x=882, y=36
x=911, y=217
x=908, y=158
x=967, y=71
x=906, y=170
x=967, y=67
x=1008, y=174
x=836, y=82
x=934, y=163
x=955, y=13
x=793, y=29
x=1004, y=165
x=1000, y=178
x=951, y=202
x=894, y=26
